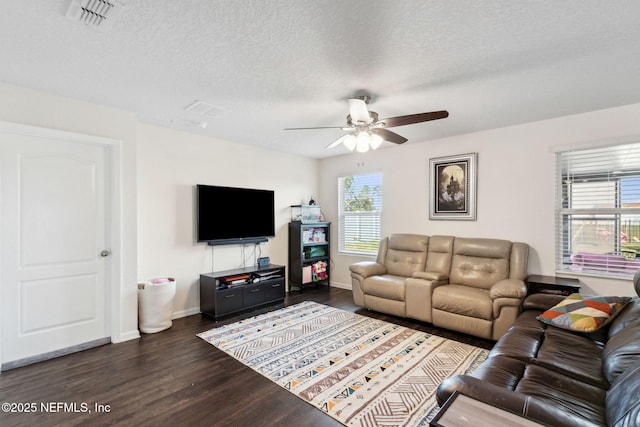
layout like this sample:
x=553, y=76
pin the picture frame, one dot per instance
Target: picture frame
x=452, y=187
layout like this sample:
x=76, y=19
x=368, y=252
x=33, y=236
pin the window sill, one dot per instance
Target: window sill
x=627, y=275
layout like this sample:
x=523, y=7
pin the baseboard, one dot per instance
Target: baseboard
x=185, y=313
x=131, y=335
x=53, y=354
x=341, y=285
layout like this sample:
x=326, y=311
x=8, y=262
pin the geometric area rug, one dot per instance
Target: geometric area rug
x=360, y=371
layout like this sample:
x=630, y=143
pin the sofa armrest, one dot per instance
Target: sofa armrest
x=508, y=288
x=480, y=390
x=367, y=268
x=429, y=275
x=531, y=407
x=418, y=291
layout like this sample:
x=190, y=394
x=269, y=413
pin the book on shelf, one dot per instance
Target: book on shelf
x=267, y=274
x=235, y=279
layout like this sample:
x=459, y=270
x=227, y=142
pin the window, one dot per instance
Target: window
x=359, y=210
x=598, y=207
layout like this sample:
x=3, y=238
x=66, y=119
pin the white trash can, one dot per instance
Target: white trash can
x=155, y=304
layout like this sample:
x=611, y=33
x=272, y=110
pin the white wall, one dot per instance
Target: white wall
x=34, y=108
x=159, y=168
x=516, y=172
x=170, y=164
x=157, y=223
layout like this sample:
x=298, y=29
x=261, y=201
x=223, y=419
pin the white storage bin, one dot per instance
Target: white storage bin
x=155, y=304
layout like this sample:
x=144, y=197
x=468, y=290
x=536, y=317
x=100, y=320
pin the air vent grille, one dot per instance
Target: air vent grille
x=206, y=109
x=94, y=13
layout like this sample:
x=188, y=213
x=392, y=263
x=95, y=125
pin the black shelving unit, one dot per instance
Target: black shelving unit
x=309, y=254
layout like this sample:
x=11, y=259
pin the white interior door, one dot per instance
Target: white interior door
x=54, y=202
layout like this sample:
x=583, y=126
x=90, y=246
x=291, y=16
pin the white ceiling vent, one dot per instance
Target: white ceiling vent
x=98, y=14
x=206, y=109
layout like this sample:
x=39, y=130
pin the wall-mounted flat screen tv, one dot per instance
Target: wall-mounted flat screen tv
x=229, y=215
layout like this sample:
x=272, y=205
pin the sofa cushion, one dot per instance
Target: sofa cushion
x=480, y=262
x=522, y=340
x=385, y=286
x=439, y=255
x=573, y=355
x=575, y=397
x=406, y=254
x=501, y=371
x=584, y=314
x=463, y=300
x=528, y=323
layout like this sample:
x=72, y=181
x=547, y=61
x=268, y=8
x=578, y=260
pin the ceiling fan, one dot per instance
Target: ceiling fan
x=366, y=131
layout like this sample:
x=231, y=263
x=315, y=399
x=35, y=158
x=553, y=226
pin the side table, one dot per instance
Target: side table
x=552, y=285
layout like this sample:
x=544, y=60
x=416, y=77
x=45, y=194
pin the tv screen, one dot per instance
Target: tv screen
x=228, y=215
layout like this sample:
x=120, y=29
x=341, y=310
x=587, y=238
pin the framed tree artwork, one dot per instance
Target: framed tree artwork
x=452, y=187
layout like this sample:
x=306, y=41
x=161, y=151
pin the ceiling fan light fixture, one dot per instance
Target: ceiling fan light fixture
x=350, y=142
x=362, y=143
x=375, y=141
x=365, y=131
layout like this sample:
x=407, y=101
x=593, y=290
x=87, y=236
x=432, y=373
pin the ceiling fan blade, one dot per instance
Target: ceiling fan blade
x=387, y=135
x=414, y=118
x=318, y=127
x=336, y=142
x=358, y=111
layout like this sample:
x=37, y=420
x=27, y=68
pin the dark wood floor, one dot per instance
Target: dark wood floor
x=169, y=378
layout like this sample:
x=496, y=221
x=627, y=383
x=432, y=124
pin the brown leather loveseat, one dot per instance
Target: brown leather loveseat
x=561, y=377
x=470, y=285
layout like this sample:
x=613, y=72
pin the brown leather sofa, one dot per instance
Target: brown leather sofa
x=559, y=377
x=470, y=285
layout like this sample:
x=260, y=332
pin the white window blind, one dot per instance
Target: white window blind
x=598, y=210
x=359, y=211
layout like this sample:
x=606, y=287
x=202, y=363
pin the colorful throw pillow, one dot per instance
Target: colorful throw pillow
x=584, y=314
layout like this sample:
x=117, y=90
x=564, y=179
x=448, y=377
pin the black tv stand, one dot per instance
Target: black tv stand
x=231, y=291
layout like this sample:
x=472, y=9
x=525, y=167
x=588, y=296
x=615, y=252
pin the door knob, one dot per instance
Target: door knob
x=105, y=253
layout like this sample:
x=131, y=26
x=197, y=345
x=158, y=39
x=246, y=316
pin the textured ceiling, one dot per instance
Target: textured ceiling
x=292, y=63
